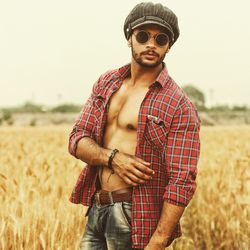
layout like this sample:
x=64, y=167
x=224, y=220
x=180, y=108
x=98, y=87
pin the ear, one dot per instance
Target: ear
x=129, y=42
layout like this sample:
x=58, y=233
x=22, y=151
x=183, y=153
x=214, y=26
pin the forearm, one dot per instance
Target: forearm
x=131, y=169
x=170, y=215
x=90, y=152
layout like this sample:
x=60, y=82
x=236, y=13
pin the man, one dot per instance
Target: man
x=139, y=135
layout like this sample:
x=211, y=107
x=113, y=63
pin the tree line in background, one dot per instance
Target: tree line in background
x=199, y=100
x=195, y=95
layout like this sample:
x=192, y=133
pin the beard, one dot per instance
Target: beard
x=138, y=58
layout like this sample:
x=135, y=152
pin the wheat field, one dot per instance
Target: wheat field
x=37, y=175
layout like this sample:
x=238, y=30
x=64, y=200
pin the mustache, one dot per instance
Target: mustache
x=152, y=52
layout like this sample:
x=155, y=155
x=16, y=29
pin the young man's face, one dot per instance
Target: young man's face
x=149, y=45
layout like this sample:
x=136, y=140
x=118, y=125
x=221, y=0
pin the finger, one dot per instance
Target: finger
x=142, y=161
x=140, y=175
x=129, y=181
x=135, y=179
x=144, y=169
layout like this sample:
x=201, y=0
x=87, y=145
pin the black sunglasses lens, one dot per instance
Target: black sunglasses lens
x=162, y=39
x=142, y=37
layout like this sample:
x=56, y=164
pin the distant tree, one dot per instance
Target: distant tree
x=222, y=108
x=6, y=116
x=239, y=108
x=66, y=108
x=195, y=95
x=29, y=107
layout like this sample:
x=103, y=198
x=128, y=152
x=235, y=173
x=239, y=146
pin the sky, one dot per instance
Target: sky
x=52, y=51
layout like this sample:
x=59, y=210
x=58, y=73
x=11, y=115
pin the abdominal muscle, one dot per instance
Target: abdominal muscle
x=124, y=140
x=121, y=129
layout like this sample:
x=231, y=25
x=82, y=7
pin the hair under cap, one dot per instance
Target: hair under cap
x=150, y=13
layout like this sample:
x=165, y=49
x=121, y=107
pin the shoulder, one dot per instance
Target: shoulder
x=186, y=109
x=105, y=80
x=109, y=75
x=179, y=101
x=173, y=91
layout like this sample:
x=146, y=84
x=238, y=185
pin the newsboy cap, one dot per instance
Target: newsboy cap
x=150, y=13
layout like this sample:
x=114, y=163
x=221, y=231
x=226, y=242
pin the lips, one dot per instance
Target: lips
x=150, y=54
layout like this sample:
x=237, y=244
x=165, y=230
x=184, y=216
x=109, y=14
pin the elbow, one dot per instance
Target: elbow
x=72, y=149
x=72, y=144
x=180, y=192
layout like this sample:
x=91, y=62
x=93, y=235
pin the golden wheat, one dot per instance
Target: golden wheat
x=37, y=175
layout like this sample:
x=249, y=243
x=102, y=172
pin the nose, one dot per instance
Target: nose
x=151, y=42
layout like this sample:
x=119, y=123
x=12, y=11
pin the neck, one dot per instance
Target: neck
x=144, y=76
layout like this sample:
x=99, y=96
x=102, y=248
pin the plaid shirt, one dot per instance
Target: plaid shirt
x=167, y=137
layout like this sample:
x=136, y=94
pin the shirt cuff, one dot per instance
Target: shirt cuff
x=179, y=196
x=74, y=141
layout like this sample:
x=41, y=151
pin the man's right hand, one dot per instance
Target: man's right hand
x=131, y=169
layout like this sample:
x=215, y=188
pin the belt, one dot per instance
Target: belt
x=103, y=197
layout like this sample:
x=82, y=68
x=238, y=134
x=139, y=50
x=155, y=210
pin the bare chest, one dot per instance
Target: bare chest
x=124, y=107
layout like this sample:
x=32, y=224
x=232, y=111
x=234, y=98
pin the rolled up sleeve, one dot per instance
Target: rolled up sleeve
x=182, y=154
x=85, y=123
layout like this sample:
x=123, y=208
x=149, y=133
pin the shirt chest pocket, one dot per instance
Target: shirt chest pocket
x=156, y=131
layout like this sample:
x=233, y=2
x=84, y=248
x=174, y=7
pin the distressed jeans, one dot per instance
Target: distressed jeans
x=108, y=227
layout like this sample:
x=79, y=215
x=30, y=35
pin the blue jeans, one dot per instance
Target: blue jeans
x=108, y=227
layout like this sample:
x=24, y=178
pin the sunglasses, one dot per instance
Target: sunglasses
x=143, y=36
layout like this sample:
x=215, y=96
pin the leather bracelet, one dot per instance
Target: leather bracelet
x=111, y=157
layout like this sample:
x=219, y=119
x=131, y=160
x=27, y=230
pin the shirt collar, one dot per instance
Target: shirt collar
x=161, y=78
x=124, y=71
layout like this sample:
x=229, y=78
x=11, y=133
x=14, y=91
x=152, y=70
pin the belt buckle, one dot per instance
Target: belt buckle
x=97, y=199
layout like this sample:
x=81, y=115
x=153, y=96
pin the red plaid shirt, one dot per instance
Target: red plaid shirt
x=168, y=138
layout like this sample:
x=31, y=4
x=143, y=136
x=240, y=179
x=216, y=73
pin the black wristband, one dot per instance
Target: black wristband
x=111, y=157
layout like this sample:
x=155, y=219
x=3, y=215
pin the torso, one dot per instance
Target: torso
x=121, y=129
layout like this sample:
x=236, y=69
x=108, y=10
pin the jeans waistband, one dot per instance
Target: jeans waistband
x=103, y=197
